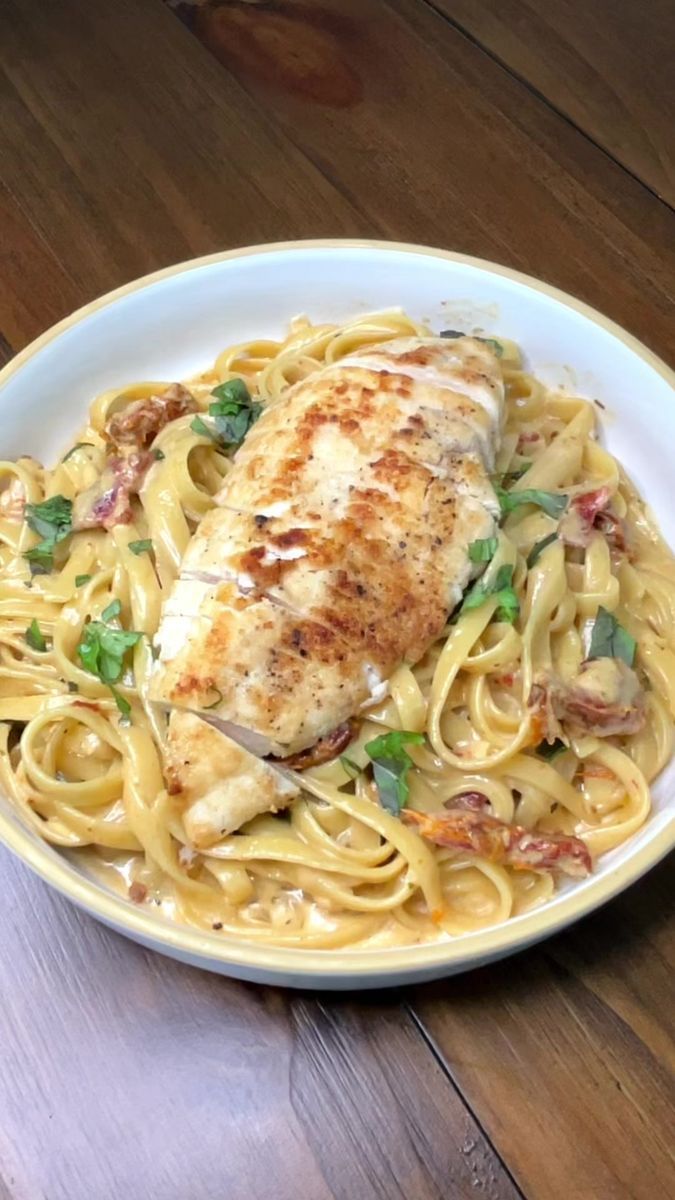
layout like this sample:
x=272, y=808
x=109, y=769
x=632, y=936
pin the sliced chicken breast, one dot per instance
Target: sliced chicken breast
x=222, y=784
x=338, y=547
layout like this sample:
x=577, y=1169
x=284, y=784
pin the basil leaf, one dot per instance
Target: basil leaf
x=233, y=411
x=610, y=640
x=140, y=546
x=53, y=520
x=553, y=503
x=391, y=763
x=35, y=637
x=113, y=610
x=501, y=587
x=352, y=769
x=495, y=346
x=121, y=702
x=539, y=548
x=198, y=426
x=77, y=446
x=550, y=750
x=102, y=650
x=234, y=391
x=483, y=549
x=80, y=580
x=159, y=455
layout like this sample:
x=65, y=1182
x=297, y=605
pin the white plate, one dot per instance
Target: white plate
x=173, y=323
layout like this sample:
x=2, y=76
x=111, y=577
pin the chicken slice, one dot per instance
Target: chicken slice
x=339, y=545
x=220, y=784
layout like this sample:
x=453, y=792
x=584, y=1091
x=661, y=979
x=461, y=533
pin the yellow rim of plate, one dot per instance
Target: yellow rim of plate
x=220, y=952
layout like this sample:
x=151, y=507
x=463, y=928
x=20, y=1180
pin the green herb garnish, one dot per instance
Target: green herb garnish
x=610, y=640
x=80, y=580
x=140, y=546
x=35, y=637
x=391, y=763
x=550, y=750
x=233, y=411
x=539, y=548
x=496, y=346
x=159, y=454
x=121, y=702
x=352, y=769
x=53, y=520
x=102, y=650
x=483, y=549
x=198, y=426
x=553, y=503
x=113, y=610
x=501, y=587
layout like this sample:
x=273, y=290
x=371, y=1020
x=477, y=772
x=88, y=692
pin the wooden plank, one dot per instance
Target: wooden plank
x=608, y=66
x=568, y=1052
x=125, y=1074
x=444, y=146
x=122, y=168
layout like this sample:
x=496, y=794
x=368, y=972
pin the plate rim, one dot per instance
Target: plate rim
x=393, y=963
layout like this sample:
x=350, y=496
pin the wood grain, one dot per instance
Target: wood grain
x=568, y=1053
x=446, y=147
x=608, y=66
x=125, y=1074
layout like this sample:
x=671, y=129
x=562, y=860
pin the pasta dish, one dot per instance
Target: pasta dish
x=358, y=638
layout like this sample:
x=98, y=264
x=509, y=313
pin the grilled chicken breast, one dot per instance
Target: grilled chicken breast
x=338, y=547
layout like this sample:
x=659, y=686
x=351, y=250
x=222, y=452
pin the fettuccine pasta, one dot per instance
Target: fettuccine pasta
x=83, y=760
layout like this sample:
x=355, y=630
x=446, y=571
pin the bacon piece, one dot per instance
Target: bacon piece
x=108, y=501
x=511, y=845
x=323, y=751
x=589, y=513
x=605, y=699
x=469, y=801
x=544, y=722
x=139, y=423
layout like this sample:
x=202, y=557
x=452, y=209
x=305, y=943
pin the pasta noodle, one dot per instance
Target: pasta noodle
x=337, y=869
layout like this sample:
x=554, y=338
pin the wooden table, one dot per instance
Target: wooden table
x=133, y=136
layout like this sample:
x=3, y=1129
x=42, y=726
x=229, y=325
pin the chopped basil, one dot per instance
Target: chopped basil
x=113, y=610
x=233, y=411
x=496, y=346
x=352, y=769
x=217, y=701
x=539, y=548
x=553, y=503
x=391, y=763
x=77, y=446
x=53, y=520
x=80, y=580
x=550, y=750
x=199, y=427
x=610, y=640
x=102, y=649
x=72, y=687
x=35, y=637
x=121, y=702
x=500, y=587
x=483, y=549
x=159, y=454
x=140, y=546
